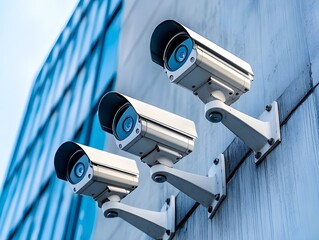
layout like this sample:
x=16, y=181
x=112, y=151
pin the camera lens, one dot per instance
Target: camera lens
x=181, y=53
x=128, y=124
x=124, y=121
x=178, y=51
x=79, y=169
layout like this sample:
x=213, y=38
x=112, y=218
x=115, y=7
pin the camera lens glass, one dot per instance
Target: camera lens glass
x=128, y=124
x=181, y=53
x=124, y=121
x=178, y=51
x=77, y=167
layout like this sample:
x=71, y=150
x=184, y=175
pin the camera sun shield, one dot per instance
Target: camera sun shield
x=95, y=173
x=142, y=129
x=199, y=65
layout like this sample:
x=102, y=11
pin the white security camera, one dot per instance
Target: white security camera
x=161, y=139
x=218, y=78
x=95, y=173
x=155, y=135
x=198, y=64
x=108, y=178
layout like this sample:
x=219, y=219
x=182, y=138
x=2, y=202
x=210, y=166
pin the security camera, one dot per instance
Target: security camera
x=161, y=139
x=195, y=63
x=108, y=178
x=155, y=135
x=95, y=173
x=218, y=78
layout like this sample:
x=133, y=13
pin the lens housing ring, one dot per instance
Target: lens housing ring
x=79, y=158
x=181, y=41
x=124, y=121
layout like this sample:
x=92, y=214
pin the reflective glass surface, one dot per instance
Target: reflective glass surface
x=34, y=204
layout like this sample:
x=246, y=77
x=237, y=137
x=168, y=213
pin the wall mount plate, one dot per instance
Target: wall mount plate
x=169, y=207
x=218, y=173
x=271, y=116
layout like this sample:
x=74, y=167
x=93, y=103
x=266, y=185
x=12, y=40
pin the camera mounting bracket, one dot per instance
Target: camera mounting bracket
x=208, y=191
x=158, y=225
x=262, y=135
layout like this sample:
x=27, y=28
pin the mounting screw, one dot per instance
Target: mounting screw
x=168, y=200
x=210, y=209
x=217, y=197
x=171, y=77
x=111, y=214
x=160, y=178
x=192, y=59
x=258, y=155
x=195, y=93
x=215, y=117
x=74, y=189
x=120, y=145
x=216, y=161
x=271, y=141
x=268, y=108
x=137, y=131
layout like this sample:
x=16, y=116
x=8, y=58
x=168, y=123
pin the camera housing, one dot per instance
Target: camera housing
x=195, y=63
x=95, y=173
x=153, y=134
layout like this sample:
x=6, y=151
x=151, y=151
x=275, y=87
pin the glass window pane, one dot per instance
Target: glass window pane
x=113, y=5
x=44, y=161
x=63, y=116
x=109, y=59
x=4, y=223
x=54, y=210
x=40, y=211
x=34, y=188
x=87, y=40
x=64, y=207
x=75, y=102
x=62, y=83
x=18, y=213
x=24, y=229
x=75, y=61
x=86, y=221
x=97, y=137
x=100, y=20
x=14, y=199
x=87, y=94
x=46, y=100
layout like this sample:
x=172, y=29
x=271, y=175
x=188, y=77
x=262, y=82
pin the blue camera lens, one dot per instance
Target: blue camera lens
x=178, y=52
x=79, y=169
x=124, y=121
x=128, y=124
x=181, y=53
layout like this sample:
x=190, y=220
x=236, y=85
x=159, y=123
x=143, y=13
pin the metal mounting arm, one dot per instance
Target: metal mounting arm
x=261, y=135
x=158, y=225
x=208, y=191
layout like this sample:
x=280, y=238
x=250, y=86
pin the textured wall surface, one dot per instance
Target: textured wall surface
x=277, y=199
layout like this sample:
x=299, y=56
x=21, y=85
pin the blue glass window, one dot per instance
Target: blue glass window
x=109, y=59
x=100, y=20
x=87, y=91
x=87, y=39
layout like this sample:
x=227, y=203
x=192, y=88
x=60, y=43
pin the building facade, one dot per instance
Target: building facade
x=80, y=68
x=277, y=199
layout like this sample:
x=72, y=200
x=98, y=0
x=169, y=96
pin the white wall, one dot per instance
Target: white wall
x=277, y=199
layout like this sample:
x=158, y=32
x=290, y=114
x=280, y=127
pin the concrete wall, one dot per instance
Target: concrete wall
x=277, y=199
